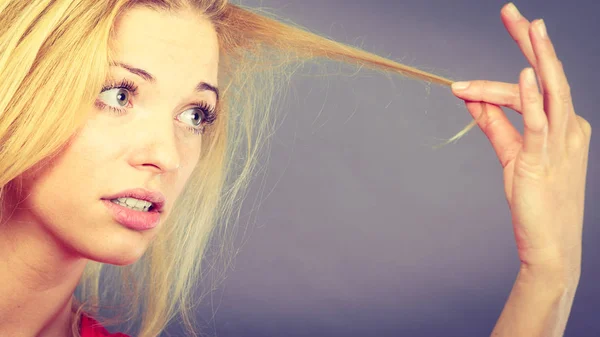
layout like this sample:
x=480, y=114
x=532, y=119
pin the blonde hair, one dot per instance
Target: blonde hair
x=52, y=49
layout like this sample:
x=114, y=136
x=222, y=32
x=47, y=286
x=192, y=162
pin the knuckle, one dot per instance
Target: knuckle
x=484, y=86
x=586, y=127
x=563, y=94
x=577, y=140
x=515, y=95
x=566, y=91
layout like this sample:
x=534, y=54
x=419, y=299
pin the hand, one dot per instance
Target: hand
x=545, y=169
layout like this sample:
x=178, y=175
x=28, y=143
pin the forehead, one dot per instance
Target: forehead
x=167, y=43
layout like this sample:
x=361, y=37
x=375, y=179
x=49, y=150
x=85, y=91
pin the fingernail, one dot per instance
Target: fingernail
x=460, y=85
x=513, y=11
x=541, y=28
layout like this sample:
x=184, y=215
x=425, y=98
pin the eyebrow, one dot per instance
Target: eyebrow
x=202, y=86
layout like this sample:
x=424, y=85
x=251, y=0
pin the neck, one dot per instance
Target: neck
x=37, y=279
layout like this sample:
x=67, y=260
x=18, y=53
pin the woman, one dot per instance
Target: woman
x=122, y=124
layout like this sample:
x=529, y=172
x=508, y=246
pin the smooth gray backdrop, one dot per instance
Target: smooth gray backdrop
x=356, y=227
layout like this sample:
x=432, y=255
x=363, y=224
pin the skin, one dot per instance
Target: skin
x=544, y=178
x=45, y=245
x=544, y=173
x=545, y=168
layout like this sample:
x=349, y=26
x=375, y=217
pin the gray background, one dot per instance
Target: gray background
x=357, y=227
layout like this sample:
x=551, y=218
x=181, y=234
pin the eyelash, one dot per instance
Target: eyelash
x=208, y=111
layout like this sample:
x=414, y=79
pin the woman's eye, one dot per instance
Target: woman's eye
x=194, y=116
x=117, y=97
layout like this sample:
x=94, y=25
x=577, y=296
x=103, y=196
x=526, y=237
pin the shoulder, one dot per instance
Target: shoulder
x=91, y=328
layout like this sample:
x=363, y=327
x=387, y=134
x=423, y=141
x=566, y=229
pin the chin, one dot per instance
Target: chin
x=117, y=259
x=120, y=260
x=119, y=248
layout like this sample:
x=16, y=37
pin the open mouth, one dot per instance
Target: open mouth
x=135, y=204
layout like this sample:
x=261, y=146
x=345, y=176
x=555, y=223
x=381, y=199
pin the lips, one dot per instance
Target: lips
x=156, y=198
x=132, y=219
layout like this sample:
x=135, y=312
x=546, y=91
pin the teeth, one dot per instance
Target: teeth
x=133, y=203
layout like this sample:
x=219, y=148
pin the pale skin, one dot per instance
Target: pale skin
x=42, y=256
x=544, y=178
x=42, y=251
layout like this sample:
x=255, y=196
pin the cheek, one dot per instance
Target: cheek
x=84, y=166
x=69, y=182
x=183, y=178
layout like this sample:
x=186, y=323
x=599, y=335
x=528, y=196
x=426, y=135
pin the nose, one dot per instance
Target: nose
x=155, y=145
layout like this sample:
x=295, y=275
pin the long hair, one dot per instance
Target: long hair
x=56, y=54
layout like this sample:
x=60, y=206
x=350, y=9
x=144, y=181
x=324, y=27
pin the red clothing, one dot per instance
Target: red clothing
x=91, y=328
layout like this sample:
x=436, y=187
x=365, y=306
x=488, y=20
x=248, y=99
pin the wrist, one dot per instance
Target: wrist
x=557, y=277
x=539, y=303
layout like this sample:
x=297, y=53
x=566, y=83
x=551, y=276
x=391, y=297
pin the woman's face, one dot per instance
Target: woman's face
x=145, y=138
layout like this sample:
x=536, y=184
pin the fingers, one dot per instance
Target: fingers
x=498, y=93
x=557, y=93
x=518, y=28
x=549, y=116
x=535, y=135
x=503, y=136
x=539, y=51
